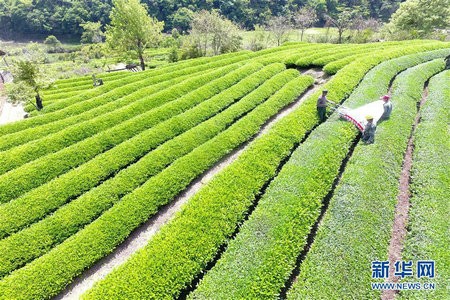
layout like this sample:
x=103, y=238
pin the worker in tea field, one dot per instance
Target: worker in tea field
x=447, y=62
x=322, y=105
x=97, y=82
x=387, y=107
x=368, y=136
x=39, y=105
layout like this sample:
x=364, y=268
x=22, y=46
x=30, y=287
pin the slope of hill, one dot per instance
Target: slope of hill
x=213, y=177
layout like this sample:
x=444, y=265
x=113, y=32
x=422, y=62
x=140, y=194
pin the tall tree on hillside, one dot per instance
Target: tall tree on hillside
x=28, y=79
x=364, y=29
x=280, y=27
x=383, y=9
x=132, y=29
x=92, y=33
x=341, y=20
x=304, y=19
x=211, y=30
x=182, y=18
x=422, y=17
x=53, y=44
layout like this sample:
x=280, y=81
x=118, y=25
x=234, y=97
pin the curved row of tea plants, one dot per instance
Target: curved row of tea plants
x=50, y=196
x=68, y=220
x=307, y=61
x=81, y=80
x=357, y=226
x=333, y=53
x=74, y=115
x=92, y=243
x=276, y=231
x=37, y=172
x=408, y=48
x=67, y=136
x=313, y=48
x=211, y=216
x=96, y=97
x=365, y=49
x=57, y=90
x=428, y=236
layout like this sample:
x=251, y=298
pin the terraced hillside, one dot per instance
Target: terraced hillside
x=214, y=179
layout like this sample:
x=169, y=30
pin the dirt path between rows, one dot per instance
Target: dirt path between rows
x=399, y=230
x=293, y=278
x=140, y=237
x=282, y=113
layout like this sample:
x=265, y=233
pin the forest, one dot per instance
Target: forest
x=64, y=17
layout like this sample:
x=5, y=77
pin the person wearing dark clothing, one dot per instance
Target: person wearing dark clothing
x=447, y=62
x=368, y=136
x=39, y=105
x=322, y=106
x=97, y=82
x=387, y=107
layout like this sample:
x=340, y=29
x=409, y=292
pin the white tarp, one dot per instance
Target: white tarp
x=358, y=115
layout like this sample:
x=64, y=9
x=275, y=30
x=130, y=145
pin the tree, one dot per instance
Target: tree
x=19, y=92
x=212, y=31
x=182, y=19
x=364, y=29
x=53, y=44
x=259, y=39
x=131, y=28
x=383, y=9
x=202, y=28
x=227, y=38
x=27, y=79
x=7, y=11
x=64, y=17
x=92, y=33
x=280, y=27
x=305, y=18
x=422, y=17
x=342, y=21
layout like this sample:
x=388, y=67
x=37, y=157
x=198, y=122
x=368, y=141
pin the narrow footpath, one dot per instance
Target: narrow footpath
x=399, y=229
x=140, y=237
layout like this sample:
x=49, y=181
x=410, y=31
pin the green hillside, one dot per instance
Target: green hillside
x=78, y=178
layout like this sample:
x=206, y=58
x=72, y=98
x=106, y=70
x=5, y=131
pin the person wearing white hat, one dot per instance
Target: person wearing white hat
x=368, y=135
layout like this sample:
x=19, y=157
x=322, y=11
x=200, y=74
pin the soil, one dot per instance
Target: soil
x=140, y=237
x=320, y=76
x=326, y=201
x=399, y=230
x=269, y=124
